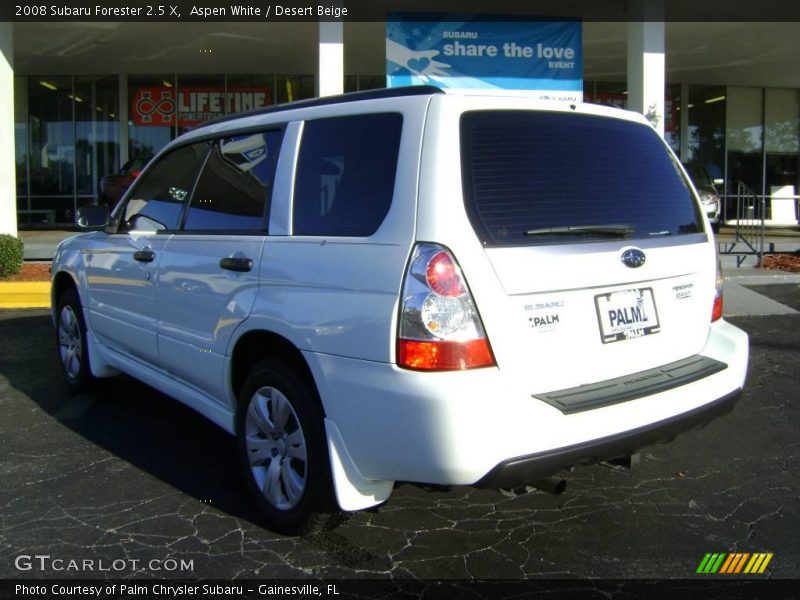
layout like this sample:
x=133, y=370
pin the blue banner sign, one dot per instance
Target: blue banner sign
x=543, y=59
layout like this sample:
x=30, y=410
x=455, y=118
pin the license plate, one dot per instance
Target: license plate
x=626, y=314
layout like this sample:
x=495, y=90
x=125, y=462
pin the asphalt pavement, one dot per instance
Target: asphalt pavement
x=128, y=476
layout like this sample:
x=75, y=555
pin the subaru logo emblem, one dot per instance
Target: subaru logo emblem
x=633, y=258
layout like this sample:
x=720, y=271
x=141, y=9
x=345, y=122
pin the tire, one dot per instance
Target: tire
x=283, y=450
x=73, y=352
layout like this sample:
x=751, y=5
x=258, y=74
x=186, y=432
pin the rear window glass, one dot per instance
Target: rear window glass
x=550, y=177
x=345, y=174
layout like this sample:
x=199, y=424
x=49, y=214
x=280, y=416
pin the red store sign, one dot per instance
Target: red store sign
x=195, y=104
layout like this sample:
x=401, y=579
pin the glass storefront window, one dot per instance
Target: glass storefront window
x=672, y=117
x=782, y=146
x=294, y=87
x=52, y=150
x=21, y=140
x=97, y=151
x=357, y=83
x=744, y=138
x=608, y=93
x=705, y=142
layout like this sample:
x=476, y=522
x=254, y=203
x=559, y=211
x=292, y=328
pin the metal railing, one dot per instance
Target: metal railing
x=748, y=219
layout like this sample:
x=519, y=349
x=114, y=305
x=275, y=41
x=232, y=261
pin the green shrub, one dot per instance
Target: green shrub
x=11, y=254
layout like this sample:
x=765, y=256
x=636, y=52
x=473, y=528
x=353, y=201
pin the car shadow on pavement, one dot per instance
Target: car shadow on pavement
x=130, y=420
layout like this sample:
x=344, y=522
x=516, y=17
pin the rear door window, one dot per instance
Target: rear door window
x=235, y=184
x=345, y=174
x=550, y=177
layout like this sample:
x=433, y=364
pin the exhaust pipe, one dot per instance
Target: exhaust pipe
x=551, y=485
x=623, y=462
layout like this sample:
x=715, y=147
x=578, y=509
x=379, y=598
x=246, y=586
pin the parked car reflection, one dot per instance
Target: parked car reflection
x=112, y=187
x=709, y=196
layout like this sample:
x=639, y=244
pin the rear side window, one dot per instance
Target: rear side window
x=235, y=184
x=345, y=174
x=550, y=177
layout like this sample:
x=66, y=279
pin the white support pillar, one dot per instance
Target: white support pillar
x=8, y=174
x=330, y=78
x=646, y=65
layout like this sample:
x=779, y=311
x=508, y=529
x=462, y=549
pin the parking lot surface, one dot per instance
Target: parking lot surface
x=128, y=475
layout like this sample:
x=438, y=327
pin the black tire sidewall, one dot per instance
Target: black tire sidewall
x=84, y=378
x=317, y=503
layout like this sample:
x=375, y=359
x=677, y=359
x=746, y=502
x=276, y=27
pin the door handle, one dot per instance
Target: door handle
x=144, y=256
x=240, y=265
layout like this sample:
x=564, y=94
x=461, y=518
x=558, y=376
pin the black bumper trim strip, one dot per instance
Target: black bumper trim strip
x=630, y=387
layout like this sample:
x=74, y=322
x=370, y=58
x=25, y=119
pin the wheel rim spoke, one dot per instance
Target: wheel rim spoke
x=292, y=483
x=259, y=450
x=281, y=410
x=70, y=342
x=272, y=484
x=260, y=415
x=296, y=445
x=276, y=448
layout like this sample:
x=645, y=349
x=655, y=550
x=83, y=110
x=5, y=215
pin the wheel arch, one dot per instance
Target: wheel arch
x=255, y=345
x=62, y=281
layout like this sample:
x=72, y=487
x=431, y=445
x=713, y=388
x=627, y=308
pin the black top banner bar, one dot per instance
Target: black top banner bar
x=375, y=10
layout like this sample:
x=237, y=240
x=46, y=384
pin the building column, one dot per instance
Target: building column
x=330, y=77
x=8, y=174
x=646, y=64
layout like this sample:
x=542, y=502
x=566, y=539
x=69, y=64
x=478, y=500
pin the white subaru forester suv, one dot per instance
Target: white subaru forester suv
x=408, y=285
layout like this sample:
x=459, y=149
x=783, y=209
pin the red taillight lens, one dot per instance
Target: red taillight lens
x=716, y=312
x=439, y=328
x=443, y=276
x=443, y=355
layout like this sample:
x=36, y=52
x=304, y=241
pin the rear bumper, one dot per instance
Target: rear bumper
x=525, y=469
x=465, y=427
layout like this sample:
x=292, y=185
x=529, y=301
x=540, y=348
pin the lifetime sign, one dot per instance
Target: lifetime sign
x=193, y=105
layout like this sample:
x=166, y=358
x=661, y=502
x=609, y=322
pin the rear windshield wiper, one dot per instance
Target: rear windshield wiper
x=614, y=230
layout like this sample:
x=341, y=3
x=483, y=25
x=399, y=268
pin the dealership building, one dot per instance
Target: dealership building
x=79, y=100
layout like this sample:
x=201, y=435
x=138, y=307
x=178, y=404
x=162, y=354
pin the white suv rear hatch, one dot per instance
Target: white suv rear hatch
x=592, y=232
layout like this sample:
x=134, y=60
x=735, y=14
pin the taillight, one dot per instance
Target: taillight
x=443, y=276
x=716, y=311
x=439, y=327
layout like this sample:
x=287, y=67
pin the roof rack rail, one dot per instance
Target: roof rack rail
x=412, y=90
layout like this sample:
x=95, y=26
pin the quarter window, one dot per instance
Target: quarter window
x=345, y=174
x=156, y=203
x=235, y=184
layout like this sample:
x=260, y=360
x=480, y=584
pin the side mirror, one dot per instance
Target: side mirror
x=92, y=217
